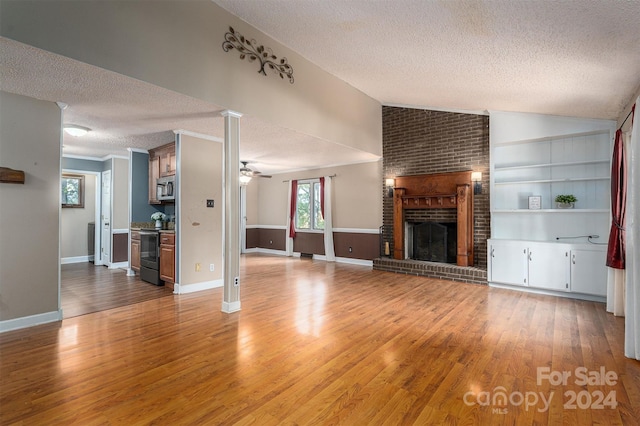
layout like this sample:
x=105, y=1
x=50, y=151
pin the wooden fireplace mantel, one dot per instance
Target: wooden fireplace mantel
x=435, y=191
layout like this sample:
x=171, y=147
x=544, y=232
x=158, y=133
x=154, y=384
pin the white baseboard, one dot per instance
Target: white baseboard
x=361, y=262
x=267, y=251
x=75, y=259
x=119, y=265
x=230, y=307
x=30, y=321
x=588, y=297
x=192, y=288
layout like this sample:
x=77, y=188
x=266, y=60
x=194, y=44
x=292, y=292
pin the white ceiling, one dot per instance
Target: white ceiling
x=576, y=58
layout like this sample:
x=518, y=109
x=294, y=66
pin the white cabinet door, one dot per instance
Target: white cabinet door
x=549, y=266
x=589, y=272
x=508, y=262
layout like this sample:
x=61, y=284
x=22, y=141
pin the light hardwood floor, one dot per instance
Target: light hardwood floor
x=86, y=288
x=322, y=343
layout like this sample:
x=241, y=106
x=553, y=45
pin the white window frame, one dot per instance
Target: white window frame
x=312, y=207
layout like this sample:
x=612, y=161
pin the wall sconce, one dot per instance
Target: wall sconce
x=390, y=183
x=476, y=178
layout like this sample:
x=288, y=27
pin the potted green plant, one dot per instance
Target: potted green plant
x=565, y=201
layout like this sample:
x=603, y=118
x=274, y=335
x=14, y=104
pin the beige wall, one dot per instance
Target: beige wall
x=120, y=193
x=627, y=110
x=357, y=200
x=200, y=228
x=251, y=191
x=152, y=40
x=74, y=222
x=29, y=214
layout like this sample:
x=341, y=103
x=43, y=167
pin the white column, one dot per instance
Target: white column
x=231, y=233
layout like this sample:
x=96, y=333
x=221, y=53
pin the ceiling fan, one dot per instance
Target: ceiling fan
x=246, y=173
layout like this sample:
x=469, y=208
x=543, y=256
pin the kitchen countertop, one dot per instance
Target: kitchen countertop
x=144, y=226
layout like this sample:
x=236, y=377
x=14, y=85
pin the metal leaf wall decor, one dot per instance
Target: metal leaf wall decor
x=250, y=50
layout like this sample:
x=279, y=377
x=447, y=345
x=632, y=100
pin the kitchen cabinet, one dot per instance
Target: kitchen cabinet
x=575, y=270
x=154, y=174
x=162, y=163
x=167, y=257
x=135, y=251
x=168, y=161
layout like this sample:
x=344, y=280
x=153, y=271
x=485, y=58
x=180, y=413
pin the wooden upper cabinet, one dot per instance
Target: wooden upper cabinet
x=162, y=163
x=168, y=161
x=154, y=174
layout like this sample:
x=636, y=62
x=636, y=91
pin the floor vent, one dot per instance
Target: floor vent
x=306, y=255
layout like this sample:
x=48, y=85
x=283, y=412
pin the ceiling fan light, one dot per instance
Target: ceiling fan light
x=244, y=179
x=75, y=130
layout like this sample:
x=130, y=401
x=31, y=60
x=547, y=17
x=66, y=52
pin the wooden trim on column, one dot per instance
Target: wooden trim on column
x=465, y=226
x=398, y=224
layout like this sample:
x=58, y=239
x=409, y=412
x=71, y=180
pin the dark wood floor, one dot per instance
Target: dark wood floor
x=324, y=343
x=86, y=288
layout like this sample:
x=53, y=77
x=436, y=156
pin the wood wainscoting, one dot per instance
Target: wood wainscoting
x=321, y=343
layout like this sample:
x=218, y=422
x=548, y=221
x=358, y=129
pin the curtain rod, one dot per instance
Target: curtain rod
x=318, y=177
x=628, y=115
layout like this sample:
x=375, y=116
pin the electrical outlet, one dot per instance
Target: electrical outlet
x=236, y=281
x=211, y=267
x=350, y=250
x=211, y=203
x=270, y=241
x=197, y=267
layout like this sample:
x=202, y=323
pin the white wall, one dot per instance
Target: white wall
x=200, y=228
x=152, y=40
x=120, y=193
x=74, y=222
x=30, y=135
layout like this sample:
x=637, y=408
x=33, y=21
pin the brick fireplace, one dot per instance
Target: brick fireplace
x=423, y=142
x=436, y=191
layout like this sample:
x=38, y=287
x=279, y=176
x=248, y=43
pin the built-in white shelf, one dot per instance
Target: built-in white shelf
x=560, y=211
x=512, y=182
x=541, y=165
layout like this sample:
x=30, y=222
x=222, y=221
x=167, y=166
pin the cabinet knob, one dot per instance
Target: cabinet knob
x=573, y=259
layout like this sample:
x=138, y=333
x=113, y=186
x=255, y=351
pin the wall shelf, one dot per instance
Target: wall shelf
x=559, y=164
x=554, y=211
x=516, y=182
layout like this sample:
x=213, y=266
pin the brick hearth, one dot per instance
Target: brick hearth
x=445, y=271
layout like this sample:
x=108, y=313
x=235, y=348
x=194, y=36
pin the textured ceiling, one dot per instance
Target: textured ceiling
x=576, y=58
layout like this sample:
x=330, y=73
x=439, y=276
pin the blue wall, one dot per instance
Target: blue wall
x=141, y=210
x=84, y=165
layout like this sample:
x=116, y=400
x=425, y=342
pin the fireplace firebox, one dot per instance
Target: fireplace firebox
x=432, y=242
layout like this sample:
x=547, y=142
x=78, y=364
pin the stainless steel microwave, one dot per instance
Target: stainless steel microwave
x=166, y=188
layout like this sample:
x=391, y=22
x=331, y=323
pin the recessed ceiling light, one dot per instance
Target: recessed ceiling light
x=74, y=130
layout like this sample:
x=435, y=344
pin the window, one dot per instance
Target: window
x=72, y=191
x=308, y=210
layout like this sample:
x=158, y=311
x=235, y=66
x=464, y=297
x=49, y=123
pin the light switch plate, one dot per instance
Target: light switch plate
x=210, y=203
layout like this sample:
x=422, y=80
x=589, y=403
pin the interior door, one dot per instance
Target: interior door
x=105, y=218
